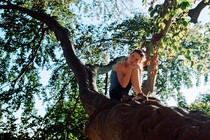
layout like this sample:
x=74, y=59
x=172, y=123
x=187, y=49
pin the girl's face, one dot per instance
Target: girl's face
x=134, y=59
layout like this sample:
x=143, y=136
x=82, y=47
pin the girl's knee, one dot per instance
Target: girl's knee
x=136, y=72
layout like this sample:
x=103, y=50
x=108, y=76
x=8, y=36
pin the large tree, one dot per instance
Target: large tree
x=107, y=119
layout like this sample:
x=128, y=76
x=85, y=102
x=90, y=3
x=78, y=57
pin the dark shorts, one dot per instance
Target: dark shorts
x=118, y=92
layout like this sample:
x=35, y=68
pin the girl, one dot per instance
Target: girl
x=126, y=74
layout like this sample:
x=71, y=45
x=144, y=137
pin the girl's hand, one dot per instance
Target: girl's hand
x=131, y=66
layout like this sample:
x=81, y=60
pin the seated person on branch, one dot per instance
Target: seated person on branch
x=126, y=74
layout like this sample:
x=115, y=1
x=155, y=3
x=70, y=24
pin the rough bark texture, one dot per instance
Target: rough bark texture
x=146, y=121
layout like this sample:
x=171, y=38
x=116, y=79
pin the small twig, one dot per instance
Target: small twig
x=106, y=83
x=23, y=70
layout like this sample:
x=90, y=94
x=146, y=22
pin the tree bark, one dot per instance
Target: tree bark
x=152, y=53
x=194, y=13
x=147, y=121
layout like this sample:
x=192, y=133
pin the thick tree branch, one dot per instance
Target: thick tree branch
x=151, y=53
x=108, y=67
x=194, y=13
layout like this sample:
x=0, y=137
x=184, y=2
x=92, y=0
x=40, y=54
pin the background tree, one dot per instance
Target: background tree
x=201, y=104
x=32, y=48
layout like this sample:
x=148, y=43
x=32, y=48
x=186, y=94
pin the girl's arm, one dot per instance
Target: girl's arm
x=124, y=78
x=136, y=80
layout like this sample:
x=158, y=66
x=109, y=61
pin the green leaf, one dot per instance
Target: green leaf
x=184, y=5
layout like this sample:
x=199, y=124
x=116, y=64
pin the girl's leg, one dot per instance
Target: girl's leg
x=136, y=80
x=116, y=94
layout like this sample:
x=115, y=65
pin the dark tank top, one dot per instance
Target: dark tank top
x=115, y=84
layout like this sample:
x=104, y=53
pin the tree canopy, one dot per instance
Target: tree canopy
x=48, y=35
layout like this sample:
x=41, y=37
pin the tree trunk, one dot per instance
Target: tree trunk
x=151, y=75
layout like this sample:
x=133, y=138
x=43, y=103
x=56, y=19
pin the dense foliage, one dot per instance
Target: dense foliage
x=201, y=104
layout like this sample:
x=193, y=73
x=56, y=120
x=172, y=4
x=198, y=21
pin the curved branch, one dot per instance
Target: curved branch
x=108, y=67
x=194, y=13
